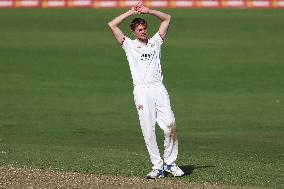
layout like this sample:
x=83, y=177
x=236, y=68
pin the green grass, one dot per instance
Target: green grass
x=66, y=94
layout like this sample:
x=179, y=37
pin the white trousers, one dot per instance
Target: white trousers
x=153, y=106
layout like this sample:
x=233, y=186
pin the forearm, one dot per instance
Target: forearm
x=160, y=15
x=114, y=25
x=119, y=19
x=165, y=21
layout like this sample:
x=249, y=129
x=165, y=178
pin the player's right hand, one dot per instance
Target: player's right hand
x=134, y=10
x=141, y=8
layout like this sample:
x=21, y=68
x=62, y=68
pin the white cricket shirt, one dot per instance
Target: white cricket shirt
x=144, y=60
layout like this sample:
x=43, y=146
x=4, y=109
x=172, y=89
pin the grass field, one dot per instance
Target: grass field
x=66, y=98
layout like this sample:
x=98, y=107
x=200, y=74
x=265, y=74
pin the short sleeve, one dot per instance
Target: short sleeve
x=158, y=38
x=125, y=43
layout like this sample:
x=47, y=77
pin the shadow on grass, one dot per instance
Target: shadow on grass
x=188, y=169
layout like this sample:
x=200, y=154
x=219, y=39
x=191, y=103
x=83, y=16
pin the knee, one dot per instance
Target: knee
x=172, y=131
x=172, y=127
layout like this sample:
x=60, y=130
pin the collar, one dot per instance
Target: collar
x=138, y=43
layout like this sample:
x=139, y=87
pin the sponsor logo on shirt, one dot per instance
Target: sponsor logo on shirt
x=147, y=56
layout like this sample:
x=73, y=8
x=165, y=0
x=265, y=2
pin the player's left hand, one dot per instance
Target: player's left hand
x=141, y=8
x=134, y=10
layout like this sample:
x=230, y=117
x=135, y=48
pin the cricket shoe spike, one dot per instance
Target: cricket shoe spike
x=174, y=170
x=155, y=173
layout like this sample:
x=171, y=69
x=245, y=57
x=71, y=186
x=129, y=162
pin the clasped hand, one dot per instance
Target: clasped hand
x=140, y=8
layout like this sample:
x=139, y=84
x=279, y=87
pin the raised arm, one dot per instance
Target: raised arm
x=165, y=21
x=114, y=24
x=163, y=17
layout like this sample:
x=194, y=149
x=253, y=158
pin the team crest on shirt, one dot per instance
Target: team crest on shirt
x=152, y=44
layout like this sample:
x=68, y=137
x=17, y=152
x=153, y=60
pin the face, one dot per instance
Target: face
x=140, y=32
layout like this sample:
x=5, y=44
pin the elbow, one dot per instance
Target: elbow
x=169, y=17
x=110, y=24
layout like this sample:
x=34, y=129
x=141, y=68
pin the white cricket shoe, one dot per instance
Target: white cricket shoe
x=174, y=170
x=155, y=173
